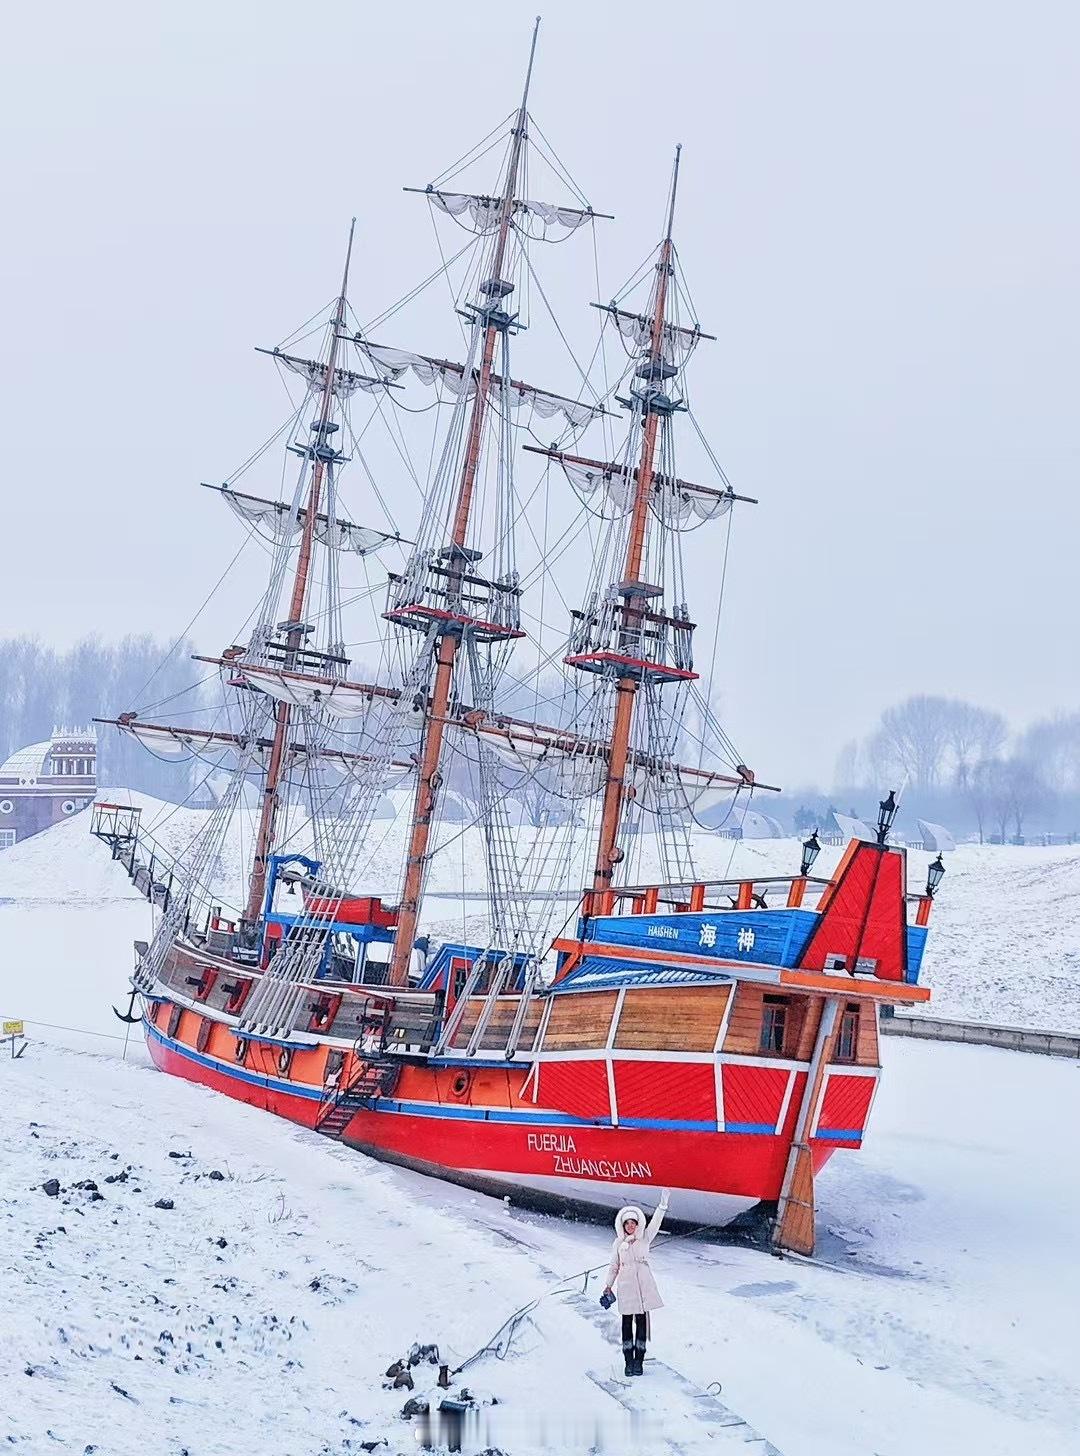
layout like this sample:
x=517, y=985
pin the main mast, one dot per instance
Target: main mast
x=458, y=558
x=321, y=453
x=635, y=592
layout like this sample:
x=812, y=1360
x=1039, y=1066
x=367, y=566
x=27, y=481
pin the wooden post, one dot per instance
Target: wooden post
x=794, y=1226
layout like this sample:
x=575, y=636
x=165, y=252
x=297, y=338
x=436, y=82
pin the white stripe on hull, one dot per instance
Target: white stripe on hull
x=688, y=1205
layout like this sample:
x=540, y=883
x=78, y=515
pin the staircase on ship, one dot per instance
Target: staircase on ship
x=150, y=867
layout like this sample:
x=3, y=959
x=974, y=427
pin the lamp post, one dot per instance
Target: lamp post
x=935, y=873
x=886, y=815
x=810, y=851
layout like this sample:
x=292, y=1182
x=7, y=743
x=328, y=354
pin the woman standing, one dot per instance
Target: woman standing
x=632, y=1279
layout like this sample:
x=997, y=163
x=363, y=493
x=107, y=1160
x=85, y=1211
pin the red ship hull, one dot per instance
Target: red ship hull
x=536, y=1153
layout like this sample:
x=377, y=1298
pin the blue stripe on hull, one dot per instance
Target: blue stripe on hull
x=470, y=1114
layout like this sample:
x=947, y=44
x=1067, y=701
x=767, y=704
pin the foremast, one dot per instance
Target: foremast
x=321, y=453
x=458, y=560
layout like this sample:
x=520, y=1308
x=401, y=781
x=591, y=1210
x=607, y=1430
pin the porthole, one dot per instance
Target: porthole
x=69, y=806
x=6, y=806
x=240, y=1049
x=284, y=1061
x=459, y=1087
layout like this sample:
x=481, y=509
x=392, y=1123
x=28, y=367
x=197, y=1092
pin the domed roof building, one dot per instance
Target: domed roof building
x=46, y=782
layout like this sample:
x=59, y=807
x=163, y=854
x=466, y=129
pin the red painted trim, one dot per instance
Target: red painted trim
x=854, y=986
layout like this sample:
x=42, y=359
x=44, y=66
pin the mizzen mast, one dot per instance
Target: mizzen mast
x=458, y=557
x=321, y=453
x=635, y=592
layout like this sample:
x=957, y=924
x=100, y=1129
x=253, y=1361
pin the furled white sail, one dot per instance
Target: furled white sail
x=171, y=742
x=676, y=341
x=511, y=394
x=341, y=698
x=346, y=381
x=675, y=502
x=485, y=211
x=279, y=520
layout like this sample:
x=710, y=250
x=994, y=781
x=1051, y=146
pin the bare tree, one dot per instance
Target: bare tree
x=849, y=764
x=1013, y=789
x=980, y=788
x=916, y=734
x=974, y=735
x=1026, y=789
x=1054, y=745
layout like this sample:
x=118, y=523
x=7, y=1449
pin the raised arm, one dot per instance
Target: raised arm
x=658, y=1218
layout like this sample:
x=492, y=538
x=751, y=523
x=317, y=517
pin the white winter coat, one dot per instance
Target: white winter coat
x=629, y=1273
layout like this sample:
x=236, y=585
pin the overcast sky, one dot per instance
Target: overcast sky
x=878, y=218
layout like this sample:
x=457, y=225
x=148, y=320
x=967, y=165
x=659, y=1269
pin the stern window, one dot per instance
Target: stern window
x=774, y=1024
x=847, y=1043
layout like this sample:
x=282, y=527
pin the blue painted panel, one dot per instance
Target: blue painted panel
x=603, y=972
x=916, y=944
x=361, y=930
x=439, y=965
x=758, y=937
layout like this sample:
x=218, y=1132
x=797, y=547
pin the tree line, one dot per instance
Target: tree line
x=964, y=768
x=41, y=688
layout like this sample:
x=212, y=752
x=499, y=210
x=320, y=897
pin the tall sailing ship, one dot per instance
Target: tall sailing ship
x=617, y=1021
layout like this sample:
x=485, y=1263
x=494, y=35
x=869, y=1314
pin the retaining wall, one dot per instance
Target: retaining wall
x=1015, y=1038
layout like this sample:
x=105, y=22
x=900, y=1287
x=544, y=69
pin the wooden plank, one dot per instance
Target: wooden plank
x=811, y=1020
x=685, y=1018
x=868, y=1053
x=498, y=1029
x=579, y=1021
x=744, y=1028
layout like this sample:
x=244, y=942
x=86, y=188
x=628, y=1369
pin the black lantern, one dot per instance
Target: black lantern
x=810, y=851
x=935, y=873
x=886, y=815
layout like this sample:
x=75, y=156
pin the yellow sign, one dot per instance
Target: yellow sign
x=13, y=1028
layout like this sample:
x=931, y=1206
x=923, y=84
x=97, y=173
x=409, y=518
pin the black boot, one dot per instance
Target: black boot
x=638, y=1361
x=628, y=1356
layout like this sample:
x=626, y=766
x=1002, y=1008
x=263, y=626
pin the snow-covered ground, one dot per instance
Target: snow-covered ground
x=260, y=1310
x=940, y=1320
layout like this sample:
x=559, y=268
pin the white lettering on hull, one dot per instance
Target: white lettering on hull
x=550, y=1142
x=603, y=1168
x=560, y=1145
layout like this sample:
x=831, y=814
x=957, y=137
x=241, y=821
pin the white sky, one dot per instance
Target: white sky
x=877, y=216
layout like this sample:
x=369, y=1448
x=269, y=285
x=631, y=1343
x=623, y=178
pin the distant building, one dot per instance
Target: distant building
x=46, y=782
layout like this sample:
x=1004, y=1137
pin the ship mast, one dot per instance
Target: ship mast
x=321, y=453
x=635, y=592
x=458, y=558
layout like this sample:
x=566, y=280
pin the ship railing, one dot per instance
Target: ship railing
x=717, y=897
x=711, y=896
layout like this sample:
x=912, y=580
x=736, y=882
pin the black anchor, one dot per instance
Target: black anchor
x=130, y=1019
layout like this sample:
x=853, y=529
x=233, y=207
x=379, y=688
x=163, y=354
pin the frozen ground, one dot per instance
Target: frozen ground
x=259, y=1312
x=1004, y=944
x=942, y=1319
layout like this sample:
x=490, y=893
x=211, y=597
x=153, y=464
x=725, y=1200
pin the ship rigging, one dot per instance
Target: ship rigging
x=579, y=758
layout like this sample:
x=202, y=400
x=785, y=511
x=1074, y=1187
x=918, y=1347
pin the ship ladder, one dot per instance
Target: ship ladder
x=374, y=1075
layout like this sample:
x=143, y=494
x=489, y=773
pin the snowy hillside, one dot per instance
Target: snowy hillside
x=258, y=1309
x=1004, y=943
